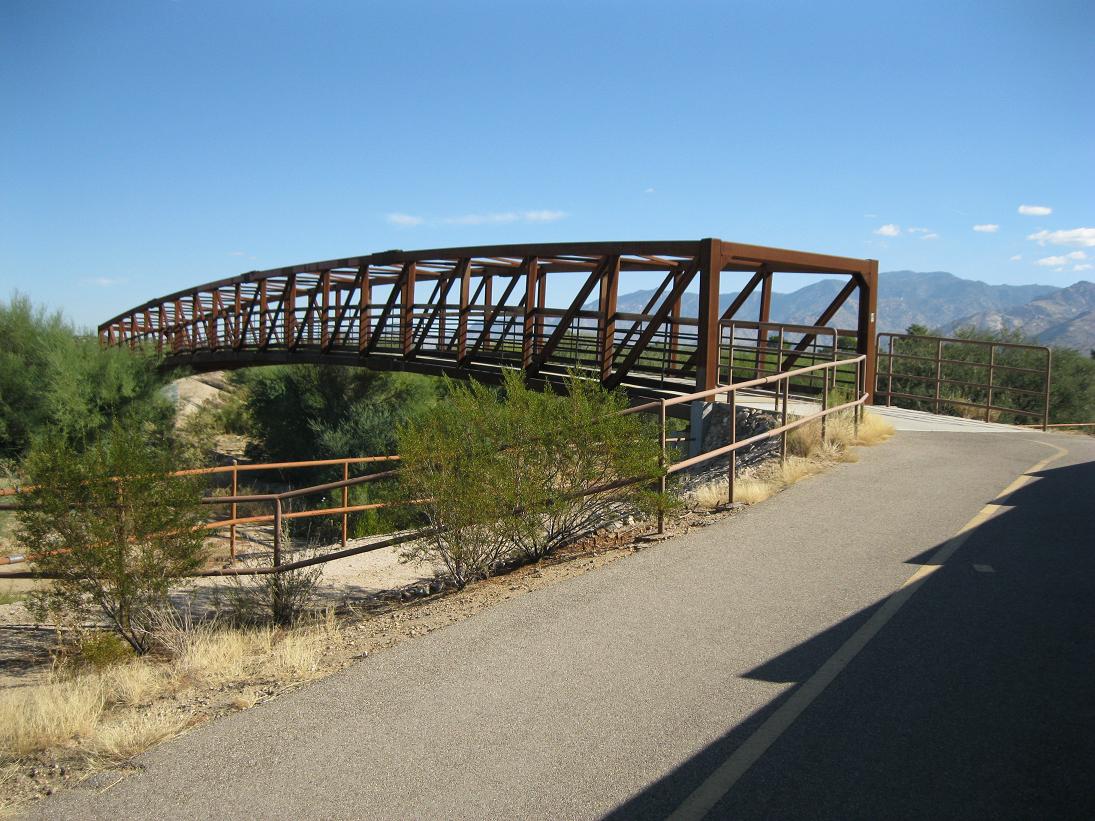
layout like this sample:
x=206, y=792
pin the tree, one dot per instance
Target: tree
x=53, y=378
x=508, y=474
x=301, y=412
x=111, y=525
x=316, y=412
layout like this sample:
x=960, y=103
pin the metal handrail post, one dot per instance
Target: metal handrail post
x=345, y=500
x=661, y=465
x=277, y=532
x=232, y=529
x=783, y=436
x=732, y=467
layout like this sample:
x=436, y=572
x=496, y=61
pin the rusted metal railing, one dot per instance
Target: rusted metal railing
x=924, y=361
x=780, y=384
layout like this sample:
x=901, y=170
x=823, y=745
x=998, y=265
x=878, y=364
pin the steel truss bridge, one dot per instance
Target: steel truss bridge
x=471, y=311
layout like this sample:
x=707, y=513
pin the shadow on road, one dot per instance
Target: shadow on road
x=977, y=700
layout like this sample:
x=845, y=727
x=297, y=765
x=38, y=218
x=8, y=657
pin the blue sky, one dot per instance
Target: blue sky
x=152, y=145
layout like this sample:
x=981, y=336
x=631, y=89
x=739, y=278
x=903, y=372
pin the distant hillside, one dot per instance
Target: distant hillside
x=936, y=299
x=1066, y=317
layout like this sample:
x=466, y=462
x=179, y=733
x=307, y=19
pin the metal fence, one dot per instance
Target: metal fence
x=991, y=381
x=780, y=383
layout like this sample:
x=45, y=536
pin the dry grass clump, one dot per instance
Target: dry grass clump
x=123, y=736
x=115, y=713
x=873, y=430
x=49, y=715
x=808, y=453
x=751, y=490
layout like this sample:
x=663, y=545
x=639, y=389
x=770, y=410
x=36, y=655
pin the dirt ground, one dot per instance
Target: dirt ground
x=381, y=602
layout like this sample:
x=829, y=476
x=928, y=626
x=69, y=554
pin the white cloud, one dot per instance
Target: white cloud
x=1064, y=259
x=648, y=191
x=914, y=230
x=503, y=217
x=1016, y=258
x=1035, y=210
x=104, y=282
x=237, y=253
x=987, y=228
x=930, y=235
x=543, y=216
x=1087, y=266
x=1084, y=237
x=888, y=230
x=405, y=220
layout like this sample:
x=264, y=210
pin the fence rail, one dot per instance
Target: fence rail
x=1004, y=379
x=780, y=382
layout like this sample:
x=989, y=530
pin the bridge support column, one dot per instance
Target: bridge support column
x=867, y=338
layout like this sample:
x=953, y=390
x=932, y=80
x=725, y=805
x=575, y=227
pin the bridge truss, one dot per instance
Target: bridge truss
x=470, y=311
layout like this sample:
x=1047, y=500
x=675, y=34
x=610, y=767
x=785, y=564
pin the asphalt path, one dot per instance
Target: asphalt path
x=788, y=637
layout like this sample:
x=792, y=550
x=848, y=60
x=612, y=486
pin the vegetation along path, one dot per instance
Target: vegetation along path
x=834, y=652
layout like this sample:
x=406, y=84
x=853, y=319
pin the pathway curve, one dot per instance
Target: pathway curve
x=634, y=689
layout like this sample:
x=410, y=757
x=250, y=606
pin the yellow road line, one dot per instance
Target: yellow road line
x=719, y=783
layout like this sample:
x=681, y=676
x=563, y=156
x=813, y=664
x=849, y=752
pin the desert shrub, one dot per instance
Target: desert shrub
x=295, y=412
x=112, y=526
x=54, y=378
x=278, y=598
x=100, y=649
x=508, y=473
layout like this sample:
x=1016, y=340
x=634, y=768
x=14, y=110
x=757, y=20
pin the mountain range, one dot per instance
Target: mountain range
x=936, y=299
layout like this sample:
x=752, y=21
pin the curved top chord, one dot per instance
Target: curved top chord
x=471, y=311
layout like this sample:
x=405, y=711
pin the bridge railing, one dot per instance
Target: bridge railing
x=973, y=378
x=456, y=309
x=276, y=502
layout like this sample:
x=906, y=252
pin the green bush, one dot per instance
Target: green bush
x=112, y=526
x=99, y=649
x=52, y=378
x=508, y=473
x=297, y=412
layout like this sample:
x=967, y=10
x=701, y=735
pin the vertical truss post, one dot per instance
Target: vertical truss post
x=324, y=329
x=237, y=321
x=764, y=316
x=406, y=315
x=443, y=309
x=462, y=316
x=488, y=308
x=609, y=291
x=866, y=340
x=707, y=327
x=289, y=308
x=364, y=303
x=195, y=318
x=528, y=328
x=264, y=338
x=674, y=340
x=161, y=327
x=541, y=305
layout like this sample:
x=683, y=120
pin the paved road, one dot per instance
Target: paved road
x=632, y=690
